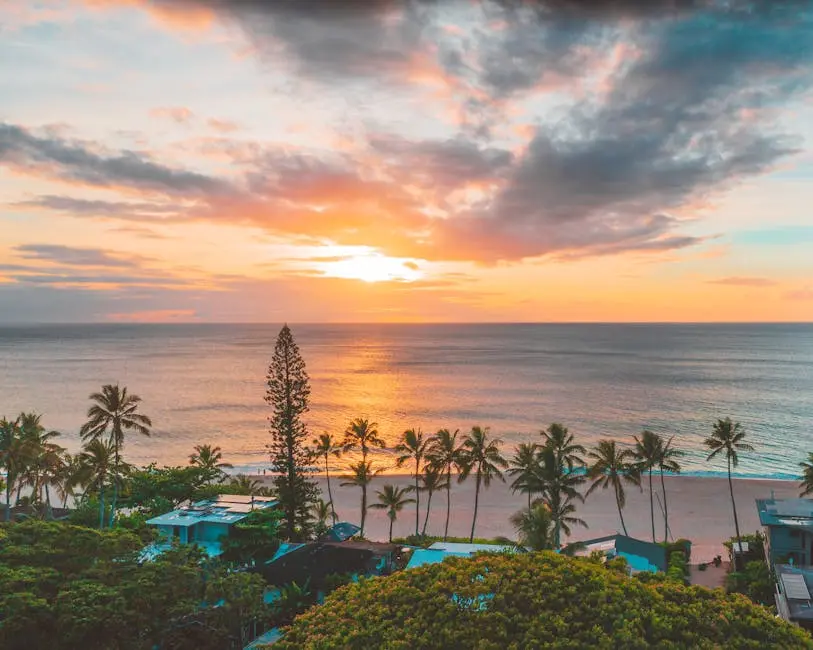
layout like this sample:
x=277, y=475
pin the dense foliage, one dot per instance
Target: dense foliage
x=67, y=587
x=288, y=392
x=533, y=600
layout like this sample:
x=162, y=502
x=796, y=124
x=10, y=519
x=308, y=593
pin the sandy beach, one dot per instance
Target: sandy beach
x=699, y=509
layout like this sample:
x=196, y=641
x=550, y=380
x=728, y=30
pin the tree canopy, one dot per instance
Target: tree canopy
x=533, y=600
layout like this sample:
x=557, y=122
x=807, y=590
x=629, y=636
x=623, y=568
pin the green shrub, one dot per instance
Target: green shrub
x=754, y=581
x=533, y=600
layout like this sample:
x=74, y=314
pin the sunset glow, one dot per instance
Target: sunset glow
x=373, y=268
x=208, y=160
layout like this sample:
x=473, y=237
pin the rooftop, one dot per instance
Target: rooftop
x=224, y=509
x=439, y=551
x=795, y=584
x=796, y=513
x=640, y=555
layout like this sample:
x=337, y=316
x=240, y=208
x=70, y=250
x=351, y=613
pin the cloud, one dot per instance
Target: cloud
x=86, y=257
x=615, y=161
x=222, y=126
x=125, y=210
x=801, y=294
x=79, y=162
x=739, y=281
x=178, y=114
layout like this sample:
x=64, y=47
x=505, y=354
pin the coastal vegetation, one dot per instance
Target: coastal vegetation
x=726, y=439
x=495, y=601
x=288, y=393
x=554, y=474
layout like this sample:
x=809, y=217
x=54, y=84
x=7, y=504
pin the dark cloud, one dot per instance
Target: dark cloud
x=742, y=281
x=85, y=257
x=77, y=162
x=125, y=210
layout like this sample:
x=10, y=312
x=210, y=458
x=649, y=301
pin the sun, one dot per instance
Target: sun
x=373, y=267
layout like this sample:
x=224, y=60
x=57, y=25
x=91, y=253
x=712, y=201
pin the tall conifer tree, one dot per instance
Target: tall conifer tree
x=287, y=393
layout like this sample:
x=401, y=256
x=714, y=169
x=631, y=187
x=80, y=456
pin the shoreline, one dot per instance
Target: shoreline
x=699, y=509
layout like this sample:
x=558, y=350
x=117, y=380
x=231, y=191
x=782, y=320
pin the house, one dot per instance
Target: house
x=204, y=523
x=788, y=527
x=439, y=551
x=313, y=562
x=640, y=555
x=793, y=600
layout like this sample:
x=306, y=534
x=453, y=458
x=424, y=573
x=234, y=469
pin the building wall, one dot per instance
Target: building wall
x=210, y=531
x=786, y=542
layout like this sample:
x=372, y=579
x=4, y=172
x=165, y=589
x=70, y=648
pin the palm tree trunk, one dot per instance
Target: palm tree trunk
x=620, y=510
x=101, y=506
x=329, y=492
x=651, y=505
x=448, y=501
x=392, y=521
x=734, y=506
x=476, y=503
x=363, y=508
x=426, y=518
x=665, y=510
x=49, y=512
x=529, y=499
x=115, y=483
x=417, y=496
x=8, y=495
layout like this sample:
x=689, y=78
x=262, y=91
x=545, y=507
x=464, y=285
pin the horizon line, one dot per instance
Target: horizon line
x=327, y=322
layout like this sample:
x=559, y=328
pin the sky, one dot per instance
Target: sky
x=466, y=160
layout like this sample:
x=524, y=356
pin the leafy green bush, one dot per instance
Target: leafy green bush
x=64, y=587
x=754, y=581
x=678, y=567
x=533, y=600
x=756, y=547
x=682, y=545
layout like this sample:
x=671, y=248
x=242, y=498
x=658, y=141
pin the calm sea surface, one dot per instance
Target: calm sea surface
x=205, y=383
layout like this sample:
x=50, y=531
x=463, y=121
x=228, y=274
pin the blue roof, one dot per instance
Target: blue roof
x=284, y=549
x=423, y=556
x=796, y=513
x=225, y=509
x=640, y=555
x=341, y=532
x=439, y=551
x=469, y=549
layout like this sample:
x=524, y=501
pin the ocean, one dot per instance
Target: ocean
x=205, y=383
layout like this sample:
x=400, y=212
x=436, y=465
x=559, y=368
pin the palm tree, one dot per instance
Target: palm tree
x=446, y=454
x=562, y=511
x=321, y=512
x=12, y=456
x=97, y=462
x=432, y=480
x=112, y=413
x=481, y=456
x=362, y=434
x=69, y=477
x=807, y=475
x=668, y=463
x=362, y=474
x=525, y=469
x=559, y=484
x=557, y=438
x=326, y=446
x=534, y=527
x=727, y=437
x=42, y=457
x=392, y=499
x=413, y=447
x=648, y=451
x=612, y=467
x=243, y=484
x=209, y=459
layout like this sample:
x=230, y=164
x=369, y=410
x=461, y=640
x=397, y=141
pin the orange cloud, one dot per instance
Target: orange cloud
x=179, y=114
